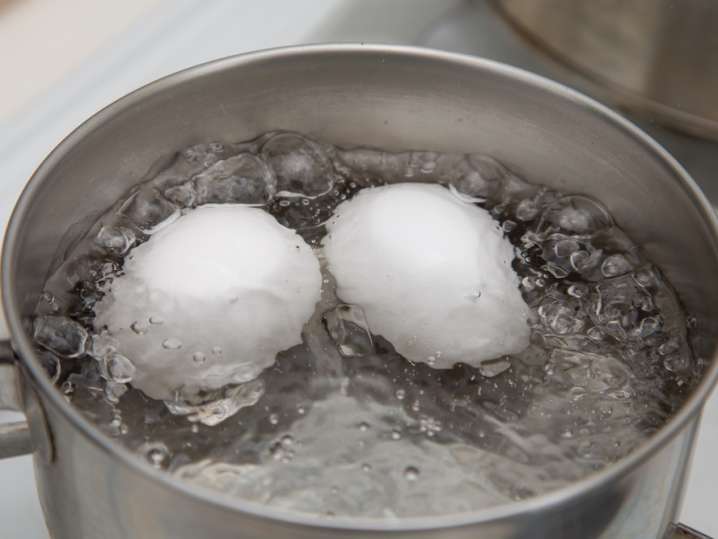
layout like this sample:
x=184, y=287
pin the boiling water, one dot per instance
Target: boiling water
x=342, y=424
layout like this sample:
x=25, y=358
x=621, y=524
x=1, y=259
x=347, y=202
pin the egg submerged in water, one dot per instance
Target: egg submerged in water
x=431, y=272
x=209, y=300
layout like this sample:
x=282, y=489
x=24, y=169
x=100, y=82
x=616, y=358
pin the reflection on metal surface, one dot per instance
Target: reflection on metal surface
x=684, y=532
x=655, y=57
x=478, y=27
x=363, y=93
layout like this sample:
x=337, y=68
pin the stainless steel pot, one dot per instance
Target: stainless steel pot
x=393, y=97
x=657, y=58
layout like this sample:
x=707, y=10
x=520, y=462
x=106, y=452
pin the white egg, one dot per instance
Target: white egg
x=210, y=300
x=432, y=273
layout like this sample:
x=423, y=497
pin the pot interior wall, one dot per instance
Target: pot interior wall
x=386, y=99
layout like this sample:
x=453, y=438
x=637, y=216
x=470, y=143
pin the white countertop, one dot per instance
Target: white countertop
x=94, y=52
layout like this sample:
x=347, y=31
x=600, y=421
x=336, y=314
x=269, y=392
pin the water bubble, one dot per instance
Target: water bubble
x=287, y=441
x=273, y=419
x=527, y=210
x=578, y=214
x=172, y=343
x=148, y=209
x=366, y=467
x=51, y=364
x=400, y=394
x=349, y=329
x=586, y=262
x=156, y=320
x=429, y=425
x=645, y=277
x=67, y=387
x=139, y=327
x=117, y=427
x=60, y=335
x=490, y=369
x=115, y=240
x=299, y=164
x=559, y=318
x=615, y=265
x=411, y=473
x=157, y=454
x=668, y=347
x=508, y=226
x=119, y=369
x=395, y=435
x=557, y=271
x=363, y=426
x=594, y=334
x=217, y=350
x=183, y=195
x=113, y=391
x=649, y=326
x=566, y=247
x=199, y=358
x=214, y=412
x=578, y=290
x=240, y=179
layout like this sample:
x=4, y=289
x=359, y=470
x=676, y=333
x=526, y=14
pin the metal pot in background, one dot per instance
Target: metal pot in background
x=657, y=58
x=393, y=97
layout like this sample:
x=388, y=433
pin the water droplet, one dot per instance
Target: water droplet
x=366, y=467
x=273, y=419
x=363, y=426
x=199, y=358
x=156, y=320
x=395, y=435
x=172, y=344
x=217, y=350
x=400, y=394
x=301, y=410
x=411, y=473
x=194, y=428
x=139, y=327
x=118, y=368
x=156, y=454
x=287, y=441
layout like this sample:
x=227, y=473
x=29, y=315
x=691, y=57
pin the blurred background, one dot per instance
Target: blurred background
x=62, y=60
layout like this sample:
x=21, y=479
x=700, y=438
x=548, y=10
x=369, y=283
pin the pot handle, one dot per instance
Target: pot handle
x=15, y=436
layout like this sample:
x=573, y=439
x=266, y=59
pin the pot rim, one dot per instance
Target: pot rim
x=23, y=345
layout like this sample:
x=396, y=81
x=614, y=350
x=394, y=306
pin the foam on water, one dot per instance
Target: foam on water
x=341, y=423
